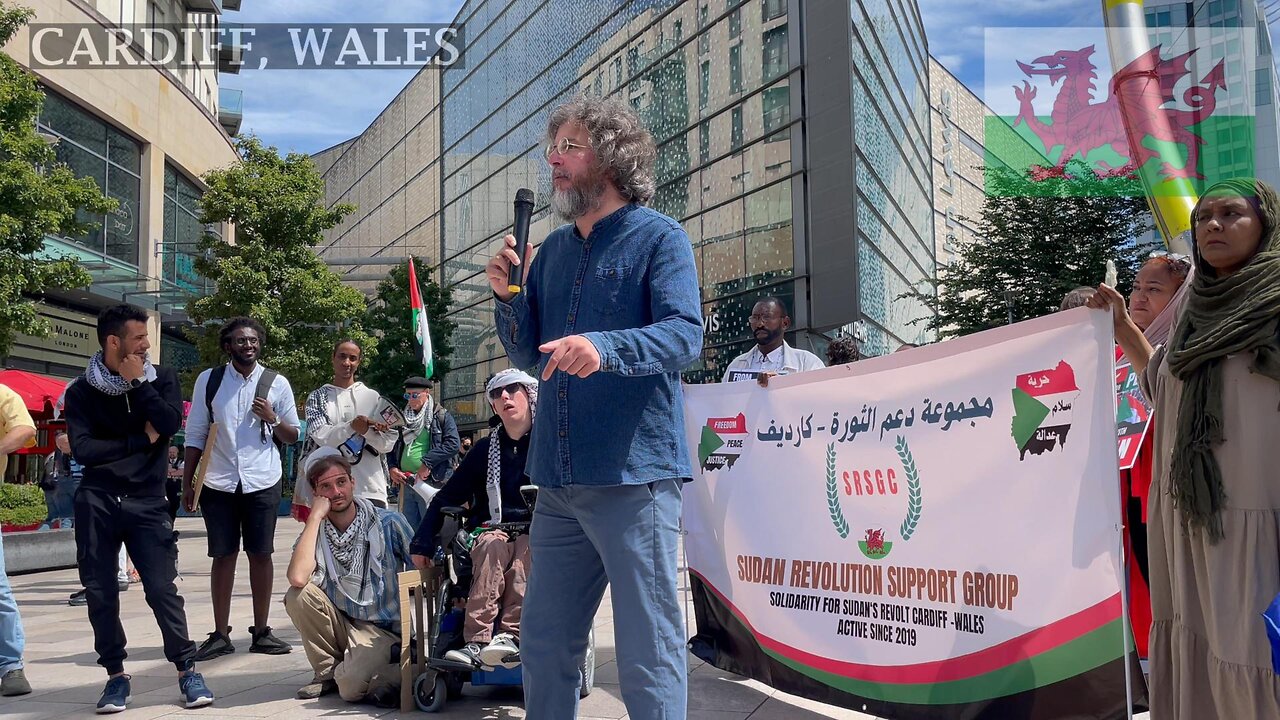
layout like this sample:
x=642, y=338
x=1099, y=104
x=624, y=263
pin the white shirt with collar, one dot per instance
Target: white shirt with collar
x=240, y=455
x=784, y=360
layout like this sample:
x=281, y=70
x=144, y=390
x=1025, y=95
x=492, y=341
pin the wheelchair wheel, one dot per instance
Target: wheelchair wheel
x=430, y=699
x=453, y=682
x=587, y=673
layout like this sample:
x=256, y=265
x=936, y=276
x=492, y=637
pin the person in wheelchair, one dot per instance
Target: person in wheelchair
x=490, y=478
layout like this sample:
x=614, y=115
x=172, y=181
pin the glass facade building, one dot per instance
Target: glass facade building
x=1234, y=151
x=723, y=86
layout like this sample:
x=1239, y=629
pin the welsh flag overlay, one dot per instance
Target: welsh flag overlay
x=420, y=329
x=1051, y=101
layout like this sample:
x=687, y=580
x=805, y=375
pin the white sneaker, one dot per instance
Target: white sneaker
x=501, y=647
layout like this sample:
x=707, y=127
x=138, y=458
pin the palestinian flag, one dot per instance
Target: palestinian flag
x=419, y=318
x=1042, y=404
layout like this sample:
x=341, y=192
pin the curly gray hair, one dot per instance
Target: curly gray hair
x=624, y=149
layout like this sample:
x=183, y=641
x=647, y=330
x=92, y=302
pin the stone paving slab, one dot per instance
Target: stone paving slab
x=61, y=663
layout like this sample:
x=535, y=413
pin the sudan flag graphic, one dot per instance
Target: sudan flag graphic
x=722, y=442
x=1042, y=404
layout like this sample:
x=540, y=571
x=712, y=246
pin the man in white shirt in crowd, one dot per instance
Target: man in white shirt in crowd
x=772, y=355
x=253, y=409
x=339, y=416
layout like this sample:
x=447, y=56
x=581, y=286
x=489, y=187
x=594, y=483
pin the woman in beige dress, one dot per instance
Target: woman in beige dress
x=1214, y=508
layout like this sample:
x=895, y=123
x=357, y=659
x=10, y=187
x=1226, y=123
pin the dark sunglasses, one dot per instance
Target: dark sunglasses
x=496, y=393
x=414, y=395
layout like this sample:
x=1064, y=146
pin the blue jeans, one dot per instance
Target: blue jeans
x=50, y=505
x=66, y=497
x=12, y=639
x=585, y=537
x=414, y=506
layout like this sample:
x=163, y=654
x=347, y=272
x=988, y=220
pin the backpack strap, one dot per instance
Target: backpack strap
x=265, y=381
x=211, y=387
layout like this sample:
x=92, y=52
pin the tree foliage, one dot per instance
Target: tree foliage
x=1040, y=238
x=399, y=356
x=38, y=197
x=272, y=273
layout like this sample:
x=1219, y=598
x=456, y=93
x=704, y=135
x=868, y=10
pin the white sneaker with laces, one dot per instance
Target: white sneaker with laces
x=502, y=646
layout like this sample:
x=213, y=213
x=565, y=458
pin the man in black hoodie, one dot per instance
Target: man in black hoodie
x=121, y=414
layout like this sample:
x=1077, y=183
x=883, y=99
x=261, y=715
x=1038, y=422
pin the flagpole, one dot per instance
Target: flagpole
x=1171, y=200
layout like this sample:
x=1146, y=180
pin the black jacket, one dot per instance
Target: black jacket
x=468, y=485
x=109, y=439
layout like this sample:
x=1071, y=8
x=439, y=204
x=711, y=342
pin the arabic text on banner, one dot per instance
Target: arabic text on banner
x=926, y=535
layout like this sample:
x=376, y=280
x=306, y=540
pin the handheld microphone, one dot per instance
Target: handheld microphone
x=524, y=209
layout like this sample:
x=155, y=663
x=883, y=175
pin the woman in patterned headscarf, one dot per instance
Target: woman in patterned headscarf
x=1215, y=505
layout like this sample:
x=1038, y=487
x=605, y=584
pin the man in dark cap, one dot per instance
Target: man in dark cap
x=427, y=447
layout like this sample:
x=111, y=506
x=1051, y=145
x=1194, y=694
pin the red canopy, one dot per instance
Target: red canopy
x=36, y=390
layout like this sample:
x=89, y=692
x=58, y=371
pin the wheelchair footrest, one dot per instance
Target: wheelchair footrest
x=444, y=665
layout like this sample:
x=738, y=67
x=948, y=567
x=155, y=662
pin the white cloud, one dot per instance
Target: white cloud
x=957, y=30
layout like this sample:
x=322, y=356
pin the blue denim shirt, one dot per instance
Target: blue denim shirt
x=630, y=288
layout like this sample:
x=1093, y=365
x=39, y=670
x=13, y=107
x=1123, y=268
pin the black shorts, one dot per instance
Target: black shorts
x=229, y=516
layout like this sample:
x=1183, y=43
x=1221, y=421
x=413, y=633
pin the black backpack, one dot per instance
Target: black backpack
x=265, y=381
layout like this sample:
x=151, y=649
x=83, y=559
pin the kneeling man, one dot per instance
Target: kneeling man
x=344, y=598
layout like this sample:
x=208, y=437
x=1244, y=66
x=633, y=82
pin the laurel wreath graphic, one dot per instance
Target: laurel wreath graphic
x=914, y=502
x=833, y=495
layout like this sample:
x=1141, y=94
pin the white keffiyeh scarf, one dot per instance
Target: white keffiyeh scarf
x=493, y=480
x=354, y=556
x=101, y=377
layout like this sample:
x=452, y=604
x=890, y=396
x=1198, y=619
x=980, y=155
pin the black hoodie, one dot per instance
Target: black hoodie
x=108, y=434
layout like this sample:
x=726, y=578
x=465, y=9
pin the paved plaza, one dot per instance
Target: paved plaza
x=67, y=682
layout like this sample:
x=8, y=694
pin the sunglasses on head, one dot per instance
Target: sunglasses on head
x=496, y=393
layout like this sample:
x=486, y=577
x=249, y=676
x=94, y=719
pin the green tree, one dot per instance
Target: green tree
x=38, y=197
x=272, y=273
x=399, y=355
x=1040, y=238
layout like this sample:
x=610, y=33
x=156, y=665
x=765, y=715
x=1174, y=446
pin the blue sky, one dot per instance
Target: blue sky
x=309, y=110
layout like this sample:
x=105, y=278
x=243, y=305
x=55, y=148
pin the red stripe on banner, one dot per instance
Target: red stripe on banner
x=728, y=426
x=1047, y=382
x=958, y=668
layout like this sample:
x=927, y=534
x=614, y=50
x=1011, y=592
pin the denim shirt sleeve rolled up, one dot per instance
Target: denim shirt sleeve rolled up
x=631, y=289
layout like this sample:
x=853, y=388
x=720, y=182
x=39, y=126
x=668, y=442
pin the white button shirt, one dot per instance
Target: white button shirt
x=240, y=455
x=784, y=360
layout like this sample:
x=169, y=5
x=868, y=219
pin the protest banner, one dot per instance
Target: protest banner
x=930, y=534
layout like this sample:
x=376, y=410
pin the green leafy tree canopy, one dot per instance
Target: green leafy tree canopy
x=272, y=273
x=1040, y=238
x=38, y=197
x=399, y=355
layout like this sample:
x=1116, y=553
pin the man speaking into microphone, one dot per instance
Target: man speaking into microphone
x=609, y=312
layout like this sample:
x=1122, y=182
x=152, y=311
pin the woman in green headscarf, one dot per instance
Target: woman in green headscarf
x=1214, y=509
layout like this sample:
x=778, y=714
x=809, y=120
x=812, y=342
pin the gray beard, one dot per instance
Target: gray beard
x=571, y=204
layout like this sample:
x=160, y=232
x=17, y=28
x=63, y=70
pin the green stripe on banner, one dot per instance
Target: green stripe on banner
x=1072, y=658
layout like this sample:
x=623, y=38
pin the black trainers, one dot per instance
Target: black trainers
x=78, y=598
x=266, y=643
x=469, y=653
x=218, y=644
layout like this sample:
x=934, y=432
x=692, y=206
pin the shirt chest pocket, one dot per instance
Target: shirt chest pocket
x=612, y=287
